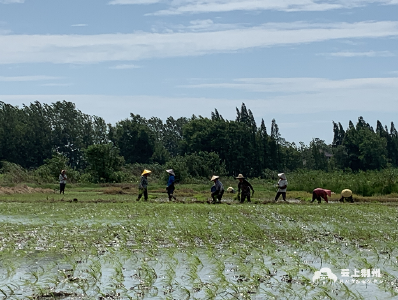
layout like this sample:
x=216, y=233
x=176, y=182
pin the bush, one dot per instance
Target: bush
x=49, y=172
x=13, y=173
x=104, y=163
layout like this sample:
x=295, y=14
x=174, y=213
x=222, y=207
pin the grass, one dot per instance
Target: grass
x=108, y=246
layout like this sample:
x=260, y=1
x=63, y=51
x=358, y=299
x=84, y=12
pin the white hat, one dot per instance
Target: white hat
x=170, y=171
x=282, y=175
x=214, y=178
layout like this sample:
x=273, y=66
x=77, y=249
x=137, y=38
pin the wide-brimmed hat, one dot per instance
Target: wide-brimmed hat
x=282, y=175
x=214, y=178
x=171, y=171
x=146, y=172
x=63, y=171
x=346, y=193
x=240, y=176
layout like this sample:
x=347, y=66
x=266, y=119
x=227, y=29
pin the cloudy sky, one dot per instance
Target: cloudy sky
x=304, y=63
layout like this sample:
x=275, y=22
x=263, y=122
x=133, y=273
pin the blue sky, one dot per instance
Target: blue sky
x=305, y=63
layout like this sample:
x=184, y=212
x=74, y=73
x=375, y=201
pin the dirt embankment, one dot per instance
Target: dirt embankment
x=24, y=189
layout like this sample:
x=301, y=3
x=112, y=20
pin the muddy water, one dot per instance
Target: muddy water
x=225, y=275
x=116, y=270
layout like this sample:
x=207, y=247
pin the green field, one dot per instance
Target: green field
x=97, y=242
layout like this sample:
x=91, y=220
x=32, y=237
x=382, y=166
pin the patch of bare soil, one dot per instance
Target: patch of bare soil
x=24, y=189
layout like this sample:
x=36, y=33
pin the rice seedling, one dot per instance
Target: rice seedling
x=264, y=251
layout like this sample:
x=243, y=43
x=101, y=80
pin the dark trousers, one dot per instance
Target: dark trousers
x=217, y=195
x=143, y=192
x=280, y=193
x=243, y=196
x=62, y=188
x=349, y=199
x=315, y=196
x=170, y=192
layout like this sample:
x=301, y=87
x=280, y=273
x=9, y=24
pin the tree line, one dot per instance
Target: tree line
x=33, y=134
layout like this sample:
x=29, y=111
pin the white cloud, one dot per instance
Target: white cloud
x=340, y=101
x=301, y=96
x=361, y=54
x=79, y=25
x=137, y=46
x=205, y=6
x=125, y=67
x=133, y=2
x=11, y=1
x=56, y=84
x=4, y=31
x=303, y=85
x=26, y=78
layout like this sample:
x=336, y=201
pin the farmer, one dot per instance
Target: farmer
x=346, y=195
x=245, y=187
x=282, y=186
x=62, y=182
x=170, y=184
x=217, y=190
x=319, y=193
x=143, y=187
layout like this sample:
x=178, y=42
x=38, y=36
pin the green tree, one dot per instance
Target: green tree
x=104, y=162
x=134, y=139
x=12, y=133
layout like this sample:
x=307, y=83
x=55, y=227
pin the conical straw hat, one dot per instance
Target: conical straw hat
x=214, y=178
x=171, y=171
x=346, y=193
x=146, y=172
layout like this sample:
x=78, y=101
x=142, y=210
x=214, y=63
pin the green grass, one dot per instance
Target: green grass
x=108, y=245
x=264, y=193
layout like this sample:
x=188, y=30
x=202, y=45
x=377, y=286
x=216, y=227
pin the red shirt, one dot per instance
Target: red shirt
x=322, y=193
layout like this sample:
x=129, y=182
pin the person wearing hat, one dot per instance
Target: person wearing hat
x=217, y=190
x=143, y=188
x=62, y=182
x=282, y=186
x=170, y=184
x=244, y=188
x=346, y=194
x=319, y=193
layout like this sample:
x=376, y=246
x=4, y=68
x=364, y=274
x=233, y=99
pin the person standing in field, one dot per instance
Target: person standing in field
x=62, y=182
x=143, y=187
x=217, y=190
x=244, y=188
x=170, y=184
x=282, y=186
x=319, y=193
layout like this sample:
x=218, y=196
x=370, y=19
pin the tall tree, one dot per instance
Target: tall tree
x=134, y=139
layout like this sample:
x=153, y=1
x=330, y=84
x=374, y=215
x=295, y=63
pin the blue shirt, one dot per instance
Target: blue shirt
x=171, y=180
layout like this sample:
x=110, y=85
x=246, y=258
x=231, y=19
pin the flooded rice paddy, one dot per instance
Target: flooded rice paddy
x=137, y=250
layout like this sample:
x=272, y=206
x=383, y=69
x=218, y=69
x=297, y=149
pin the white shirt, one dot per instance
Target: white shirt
x=282, y=182
x=62, y=178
